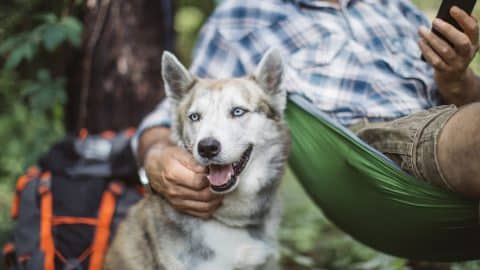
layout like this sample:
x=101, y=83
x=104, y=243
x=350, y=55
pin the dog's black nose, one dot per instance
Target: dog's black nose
x=208, y=147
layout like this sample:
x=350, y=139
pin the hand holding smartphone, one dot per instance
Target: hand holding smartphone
x=444, y=14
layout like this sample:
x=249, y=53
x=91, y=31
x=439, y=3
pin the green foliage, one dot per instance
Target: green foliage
x=32, y=86
x=32, y=98
x=310, y=241
x=30, y=121
x=51, y=33
x=28, y=113
x=188, y=20
x=45, y=93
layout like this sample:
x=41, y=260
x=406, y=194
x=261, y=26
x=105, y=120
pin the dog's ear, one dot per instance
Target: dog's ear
x=178, y=81
x=269, y=75
x=269, y=71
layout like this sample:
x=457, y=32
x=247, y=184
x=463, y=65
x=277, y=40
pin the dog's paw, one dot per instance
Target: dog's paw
x=253, y=257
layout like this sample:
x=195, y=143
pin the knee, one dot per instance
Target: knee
x=459, y=151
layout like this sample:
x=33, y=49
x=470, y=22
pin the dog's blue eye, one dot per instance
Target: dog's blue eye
x=194, y=117
x=237, y=112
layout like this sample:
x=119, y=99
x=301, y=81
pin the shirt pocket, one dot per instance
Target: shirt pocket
x=318, y=55
x=405, y=55
x=405, y=59
x=403, y=45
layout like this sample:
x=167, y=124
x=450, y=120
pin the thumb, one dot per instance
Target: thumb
x=188, y=161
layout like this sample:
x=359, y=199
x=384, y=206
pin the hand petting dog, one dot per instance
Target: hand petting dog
x=174, y=173
x=456, y=82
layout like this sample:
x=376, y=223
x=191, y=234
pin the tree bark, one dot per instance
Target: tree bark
x=117, y=79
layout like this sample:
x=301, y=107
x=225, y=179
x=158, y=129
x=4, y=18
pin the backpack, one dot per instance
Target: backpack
x=67, y=208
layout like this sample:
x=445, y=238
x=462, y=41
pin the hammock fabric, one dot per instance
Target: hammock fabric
x=366, y=195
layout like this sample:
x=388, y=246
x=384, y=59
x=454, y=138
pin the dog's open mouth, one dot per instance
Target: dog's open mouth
x=224, y=178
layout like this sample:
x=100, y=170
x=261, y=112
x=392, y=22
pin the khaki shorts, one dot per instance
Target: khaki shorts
x=411, y=141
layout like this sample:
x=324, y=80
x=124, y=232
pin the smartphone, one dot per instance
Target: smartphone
x=444, y=14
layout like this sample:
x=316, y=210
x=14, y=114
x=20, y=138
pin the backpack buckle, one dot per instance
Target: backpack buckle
x=116, y=188
x=94, y=147
x=44, y=183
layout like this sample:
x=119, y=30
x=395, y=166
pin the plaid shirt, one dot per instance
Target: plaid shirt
x=353, y=61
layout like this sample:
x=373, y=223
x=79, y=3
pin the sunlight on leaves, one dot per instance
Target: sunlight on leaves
x=188, y=19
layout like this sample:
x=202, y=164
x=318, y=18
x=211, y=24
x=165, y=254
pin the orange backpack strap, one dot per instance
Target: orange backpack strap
x=46, y=209
x=9, y=257
x=83, y=134
x=130, y=132
x=105, y=216
x=8, y=248
x=32, y=172
x=108, y=134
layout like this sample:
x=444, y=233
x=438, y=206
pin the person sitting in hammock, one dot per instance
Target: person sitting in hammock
x=358, y=61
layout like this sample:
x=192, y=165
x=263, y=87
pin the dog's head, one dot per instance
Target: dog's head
x=221, y=122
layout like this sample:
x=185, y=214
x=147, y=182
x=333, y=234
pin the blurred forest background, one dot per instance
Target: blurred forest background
x=39, y=41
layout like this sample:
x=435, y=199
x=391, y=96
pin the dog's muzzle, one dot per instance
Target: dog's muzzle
x=224, y=178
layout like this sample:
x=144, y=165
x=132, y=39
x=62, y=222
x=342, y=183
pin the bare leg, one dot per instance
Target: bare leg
x=459, y=151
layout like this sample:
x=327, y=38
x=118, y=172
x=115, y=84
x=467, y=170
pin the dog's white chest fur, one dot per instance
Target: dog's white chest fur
x=234, y=248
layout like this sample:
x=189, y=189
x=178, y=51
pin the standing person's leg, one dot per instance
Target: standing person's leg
x=458, y=151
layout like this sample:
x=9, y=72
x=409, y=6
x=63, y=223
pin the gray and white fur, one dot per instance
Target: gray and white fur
x=242, y=232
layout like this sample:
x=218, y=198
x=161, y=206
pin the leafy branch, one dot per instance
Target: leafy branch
x=51, y=33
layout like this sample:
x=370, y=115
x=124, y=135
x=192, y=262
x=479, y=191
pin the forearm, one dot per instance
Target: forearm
x=465, y=91
x=153, y=136
x=153, y=129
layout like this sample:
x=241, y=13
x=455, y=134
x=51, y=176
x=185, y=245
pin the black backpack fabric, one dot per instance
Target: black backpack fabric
x=67, y=209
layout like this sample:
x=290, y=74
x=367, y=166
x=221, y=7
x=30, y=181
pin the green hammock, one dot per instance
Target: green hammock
x=369, y=197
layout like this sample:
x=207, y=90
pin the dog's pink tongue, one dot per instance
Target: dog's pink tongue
x=219, y=174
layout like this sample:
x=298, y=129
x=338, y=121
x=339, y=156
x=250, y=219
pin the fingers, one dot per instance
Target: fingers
x=432, y=57
x=174, y=173
x=183, y=176
x=201, y=215
x=440, y=46
x=178, y=175
x=460, y=40
x=468, y=23
x=179, y=192
x=452, y=51
x=188, y=161
x=158, y=154
x=201, y=204
x=196, y=208
x=174, y=165
x=186, y=172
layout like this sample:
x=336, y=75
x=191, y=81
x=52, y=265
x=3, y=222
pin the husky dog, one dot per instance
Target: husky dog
x=234, y=127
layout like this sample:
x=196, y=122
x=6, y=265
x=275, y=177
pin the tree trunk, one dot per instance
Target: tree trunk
x=117, y=79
